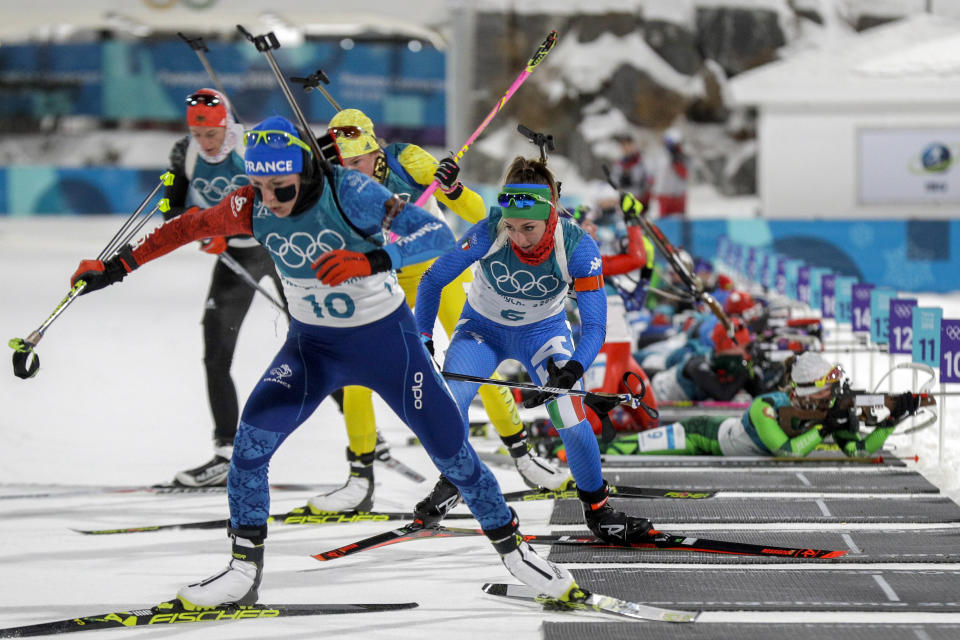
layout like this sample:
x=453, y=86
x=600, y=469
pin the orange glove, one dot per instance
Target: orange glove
x=340, y=265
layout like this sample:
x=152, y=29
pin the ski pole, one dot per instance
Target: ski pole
x=26, y=362
x=238, y=269
x=548, y=43
x=629, y=399
x=316, y=80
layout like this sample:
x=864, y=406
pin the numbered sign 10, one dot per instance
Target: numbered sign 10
x=950, y=351
x=828, y=297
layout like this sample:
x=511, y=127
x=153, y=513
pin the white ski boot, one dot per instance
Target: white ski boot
x=356, y=494
x=523, y=563
x=238, y=583
x=210, y=474
x=535, y=470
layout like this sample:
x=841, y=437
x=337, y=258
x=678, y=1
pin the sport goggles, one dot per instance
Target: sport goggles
x=202, y=98
x=348, y=131
x=520, y=200
x=273, y=139
x=834, y=376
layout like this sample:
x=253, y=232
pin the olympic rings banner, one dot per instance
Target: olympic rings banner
x=402, y=90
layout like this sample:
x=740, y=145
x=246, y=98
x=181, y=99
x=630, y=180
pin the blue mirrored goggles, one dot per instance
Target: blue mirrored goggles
x=521, y=200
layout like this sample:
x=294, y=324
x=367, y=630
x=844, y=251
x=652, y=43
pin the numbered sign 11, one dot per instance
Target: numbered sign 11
x=901, y=325
x=926, y=335
x=880, y=314
x=828, y=296
x=860, y=306
x=950, y=350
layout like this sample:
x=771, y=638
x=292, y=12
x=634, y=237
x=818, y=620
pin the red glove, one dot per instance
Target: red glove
x=99, y=274
x=214, y=246
x=340, y=265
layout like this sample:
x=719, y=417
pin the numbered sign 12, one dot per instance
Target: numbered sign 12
x=828, y=296
x=950, y=350
x=880, y=314
x=901, y=325
x=860, y=306
x=926, y=335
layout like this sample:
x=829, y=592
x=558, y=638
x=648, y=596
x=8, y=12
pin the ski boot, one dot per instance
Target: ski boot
x=356, y=494
x=523, y=563
x=607, y=523
x=210, y=474
x=535, y=470
x=239, y=582
x=443, y=497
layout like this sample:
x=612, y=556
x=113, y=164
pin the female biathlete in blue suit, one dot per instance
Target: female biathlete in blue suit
x=528, y=258
x=324, y=235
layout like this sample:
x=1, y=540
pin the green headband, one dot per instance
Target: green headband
x=539, y=211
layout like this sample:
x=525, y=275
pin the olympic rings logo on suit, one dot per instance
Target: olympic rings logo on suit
x=213, y=191
x=301, y=248
x=523, y=281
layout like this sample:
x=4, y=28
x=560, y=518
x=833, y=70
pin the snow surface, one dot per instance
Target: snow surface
x=120, y=400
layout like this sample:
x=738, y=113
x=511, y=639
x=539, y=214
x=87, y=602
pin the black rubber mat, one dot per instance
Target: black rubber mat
x=816, y=459
x=759, y=510
x=747, y=631
x=805, y=480
x=779, y=589
x=870, y=545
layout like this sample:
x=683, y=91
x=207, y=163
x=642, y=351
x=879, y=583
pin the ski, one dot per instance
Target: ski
x=300, y=515
x=657, y=540
x=392, y=463
x=172, y=612
x=531, y=495
x=412, y=531
x=156, y=489
x=588, y=601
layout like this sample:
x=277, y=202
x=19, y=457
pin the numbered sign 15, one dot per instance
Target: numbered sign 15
x=926, y=335
x=844, y=297
x=901, y=325
x=860, y=306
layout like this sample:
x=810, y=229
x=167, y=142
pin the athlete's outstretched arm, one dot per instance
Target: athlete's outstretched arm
x=473, y=245
x=422, y=235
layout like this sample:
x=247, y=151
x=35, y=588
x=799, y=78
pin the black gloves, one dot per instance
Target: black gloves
x=99, y=274
x=560, y=377
x=447, y=174
x=840, y=419
x=904, y=404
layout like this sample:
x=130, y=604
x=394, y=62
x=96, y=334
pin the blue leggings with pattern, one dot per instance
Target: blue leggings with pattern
x=479, y=345
x=386, y=356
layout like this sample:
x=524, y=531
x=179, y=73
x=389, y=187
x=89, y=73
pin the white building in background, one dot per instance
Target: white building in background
x=866, y=127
